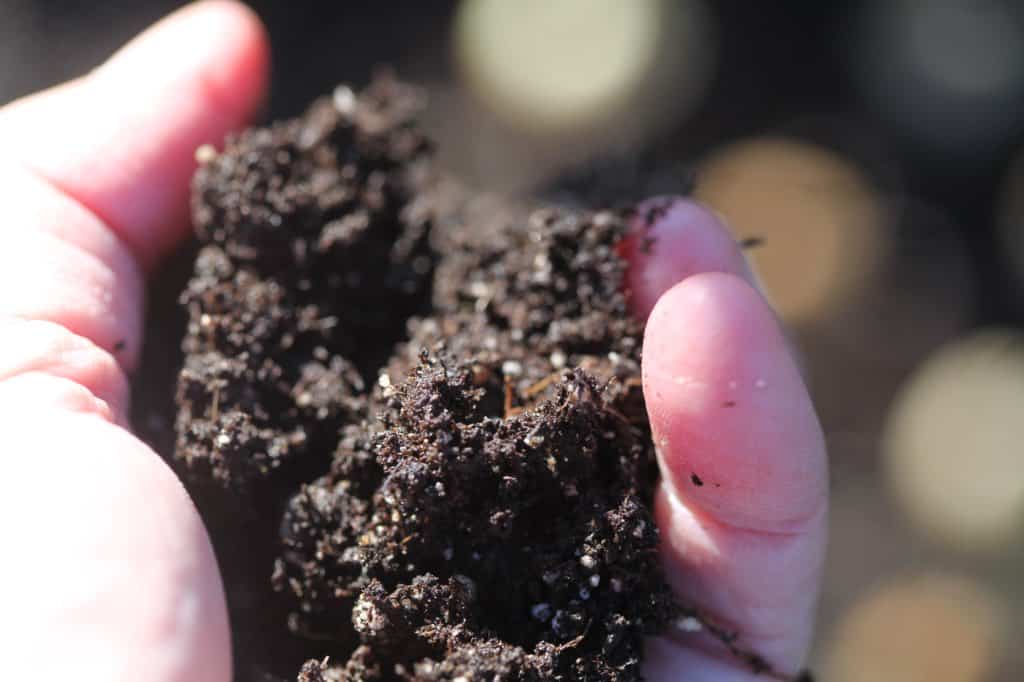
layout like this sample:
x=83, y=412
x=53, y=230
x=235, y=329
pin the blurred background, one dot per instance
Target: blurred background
x=877, y=149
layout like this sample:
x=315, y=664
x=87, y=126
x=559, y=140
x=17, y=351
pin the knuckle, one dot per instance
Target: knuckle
x=35, y=391
x=83, y=374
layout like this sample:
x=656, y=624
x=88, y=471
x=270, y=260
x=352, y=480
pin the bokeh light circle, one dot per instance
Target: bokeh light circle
x=953, y=439
x=819, y=216
x=930, y=628
x=562, y=66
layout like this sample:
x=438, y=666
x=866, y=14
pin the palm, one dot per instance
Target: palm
x=98, y=191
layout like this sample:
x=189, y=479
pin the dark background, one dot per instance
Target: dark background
x=905, y=598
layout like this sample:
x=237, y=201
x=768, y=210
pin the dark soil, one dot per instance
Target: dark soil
x=416, y=431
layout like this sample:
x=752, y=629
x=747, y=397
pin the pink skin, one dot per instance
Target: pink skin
x=123, y=584
x=670, y=240
x=729, y=411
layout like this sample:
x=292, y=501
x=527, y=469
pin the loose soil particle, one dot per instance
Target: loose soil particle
x=444, y=423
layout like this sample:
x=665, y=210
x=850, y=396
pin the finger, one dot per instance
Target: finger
x=98, y=170
x=742, y=506
x=60, y=265
x=728, y=405
x=685, y=239
x=670, y=239
x=110, y=574
x=34, y=347
x=121, y=141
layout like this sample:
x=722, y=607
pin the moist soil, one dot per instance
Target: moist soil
x=411, y=418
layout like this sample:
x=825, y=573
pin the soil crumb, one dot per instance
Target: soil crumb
x=315, y=252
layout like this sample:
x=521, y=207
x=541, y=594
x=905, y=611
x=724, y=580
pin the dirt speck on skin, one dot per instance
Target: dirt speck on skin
x=443, y=423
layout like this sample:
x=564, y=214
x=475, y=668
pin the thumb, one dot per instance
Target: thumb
x=110, y=575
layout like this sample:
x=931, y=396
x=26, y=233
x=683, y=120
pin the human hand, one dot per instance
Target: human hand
x=108, y=571
x=111, y=575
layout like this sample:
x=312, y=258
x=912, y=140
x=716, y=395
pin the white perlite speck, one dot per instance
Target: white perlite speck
x=205, y=153
x=689, y=624
x=512, y=368
x=344, y=100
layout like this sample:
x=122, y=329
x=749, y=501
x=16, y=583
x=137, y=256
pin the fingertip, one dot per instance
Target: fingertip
x=241, y=77
x=736, y=431
x=672, y=238
x=197, y=75
x=222, y=44
x=121, y=141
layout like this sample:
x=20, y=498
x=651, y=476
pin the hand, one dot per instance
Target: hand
x=108, y=571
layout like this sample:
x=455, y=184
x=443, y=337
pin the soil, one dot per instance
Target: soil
x=413, y=421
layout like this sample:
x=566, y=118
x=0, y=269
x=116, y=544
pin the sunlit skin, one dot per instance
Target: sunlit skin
x=113, y=577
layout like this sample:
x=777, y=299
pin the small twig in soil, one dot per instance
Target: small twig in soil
x=510, y=411
x=542, y=384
